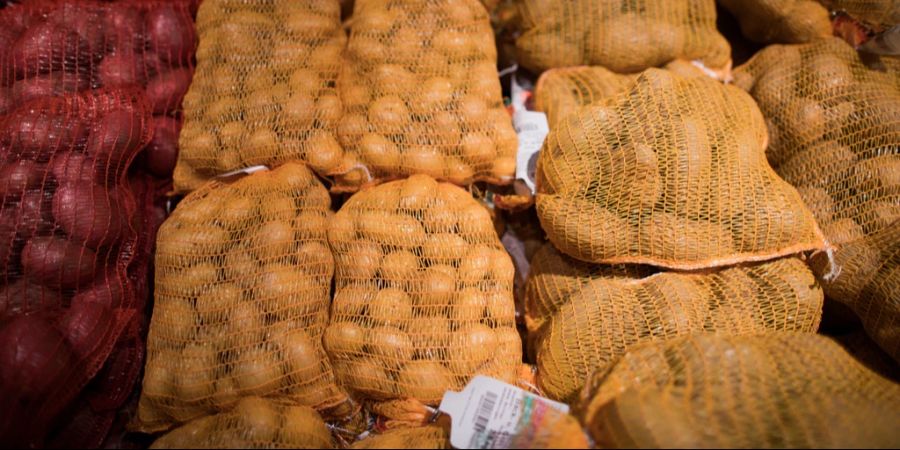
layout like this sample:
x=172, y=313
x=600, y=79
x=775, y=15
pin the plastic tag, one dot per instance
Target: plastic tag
x=244, y=171
x=489, y=413
x=532, y=129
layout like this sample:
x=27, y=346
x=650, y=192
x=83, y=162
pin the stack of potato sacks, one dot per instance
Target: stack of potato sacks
x=246, y=344
x=668, y=228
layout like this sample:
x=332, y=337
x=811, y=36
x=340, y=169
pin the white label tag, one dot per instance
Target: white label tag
x=532, y=129
x=244, y=171
x=489, y=413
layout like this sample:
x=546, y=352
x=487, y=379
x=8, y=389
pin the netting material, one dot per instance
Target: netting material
x=265, y=90
x=779, y=390
x=582, y=317
x=621, y=35
x=66, y=242
x=780, y=21
x=423, y=296
x=834, y=125
x=670, y=173
x=875, y=11
x=429, y=437
x=243, y=276
x=421, y=95
x=254, y=422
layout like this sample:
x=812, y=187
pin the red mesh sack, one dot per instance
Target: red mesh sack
x=66, y=242
x=834, y=126
x=421, y=95
x=582, y=317
x=265, y=90
x=671, y=173
x=243, y=276
x=776, y=390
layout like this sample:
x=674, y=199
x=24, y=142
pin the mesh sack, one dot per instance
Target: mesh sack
x=779, y=390
x=867, y=352
x=421, y=95
x=599, y=312
x=429, y=437
x=265, y=88
x=254, y=422
x=782, y=21
x=58, y=47
x=243, y=276
x=874, y=11
x=834, y=129
x=66, y=242
x=621, y=35
x=670, y=173
x=423, y=296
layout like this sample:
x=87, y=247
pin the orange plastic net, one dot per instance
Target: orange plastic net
x=778, y=390
x=254, y=422
x=243, y=276
x=421, y=95
x=782, y=21
x=621, y=35
x=423, y=296
x=874, y=11
x=264, y=89
x=671, y=173
x=834, y=125
x=582, y=317
x=428, y=437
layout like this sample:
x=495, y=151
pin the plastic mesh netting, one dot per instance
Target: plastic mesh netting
x=779, y=390
x=671, y=173
x=428, y=437
x=264, y=92
x=421, y=95
x=583, y=317
x=780, y=21
x=243, y=276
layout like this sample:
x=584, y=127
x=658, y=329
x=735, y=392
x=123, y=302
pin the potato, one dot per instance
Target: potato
x=170, y=33
x=195, y=380
x=391, y=307
x=19, y=176
x=576, y=236
x=166, y=90
x=399, y=267
x=425, y=381
x=693, y=239
x=304, y=426
x=391, y=229
x=301, y=355
x=281, y=290
x=390, y=344
x=344, y=340
x=116, y=138
x=162, y=151
x=379, y=152
x=424, y=160
x=476, y=264
x=365, y=376
x=90, y=214
x=470, y=347
x=443, y=248
x=436, y=288
x=258, y=371
x=258, y=418
x=323, y=153
x=273, y=240
x=55, y=262
x=47, y=47
x=361, y=262
x=469, y=305
x=219, y=302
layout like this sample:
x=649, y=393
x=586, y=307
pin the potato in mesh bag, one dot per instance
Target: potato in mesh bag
x=243, y=276
x=671, y=173
x=423, y=296
x=585, y=317
x=421, y=95
x=254, y=422
x=782, y=21
x=885, y=12
x=621, y=35
x=264, y=88
x=773, y=390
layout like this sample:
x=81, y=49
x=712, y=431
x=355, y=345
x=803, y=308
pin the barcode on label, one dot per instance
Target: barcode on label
x=485, y=409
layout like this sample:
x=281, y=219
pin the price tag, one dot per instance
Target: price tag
x=489, y=413
x=532, y=129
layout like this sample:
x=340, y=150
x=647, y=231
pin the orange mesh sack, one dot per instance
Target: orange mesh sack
x=243, y=276
x=621, y=35
x=421, y=95
x=783, y=21
x=423, y=296
x=429, y=437
x=779, y=390
x=874, y=11
x=254, y=422
x=834, y=129
x=264, y=88
x=671, y=173
x=600, y=312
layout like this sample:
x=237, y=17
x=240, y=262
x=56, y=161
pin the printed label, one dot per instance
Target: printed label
x=489, y=413
x=532, y=129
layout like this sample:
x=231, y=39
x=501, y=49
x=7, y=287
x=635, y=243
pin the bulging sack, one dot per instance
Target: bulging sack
x=781, y=21
x=428, y=437
x=254, y=422
x=423, y=296
x=421, y=95
x=885, y=12
x=741, y=392
x=560, y=92
x=243, y=277
x=264, y=92
x=593, y=316
x=834, y=127
x=670, y=173
x=621, y=35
